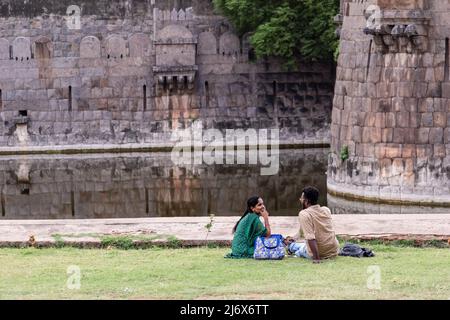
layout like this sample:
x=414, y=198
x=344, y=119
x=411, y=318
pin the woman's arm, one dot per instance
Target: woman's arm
x=265, y=216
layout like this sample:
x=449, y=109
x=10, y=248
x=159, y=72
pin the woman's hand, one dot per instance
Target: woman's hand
x=265, y=214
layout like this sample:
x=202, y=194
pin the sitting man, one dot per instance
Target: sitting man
x=317, y=229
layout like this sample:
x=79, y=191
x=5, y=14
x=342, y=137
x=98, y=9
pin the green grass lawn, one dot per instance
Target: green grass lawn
x=203, y=273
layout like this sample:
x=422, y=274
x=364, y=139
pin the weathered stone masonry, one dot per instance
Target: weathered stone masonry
x=138, y=69
x=392, y=102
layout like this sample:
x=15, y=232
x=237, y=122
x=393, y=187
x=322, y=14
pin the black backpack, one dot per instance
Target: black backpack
x=353, y=250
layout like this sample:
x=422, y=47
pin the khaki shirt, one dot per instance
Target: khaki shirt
x=316, y=223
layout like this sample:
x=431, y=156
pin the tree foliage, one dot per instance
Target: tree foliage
x=288, y=29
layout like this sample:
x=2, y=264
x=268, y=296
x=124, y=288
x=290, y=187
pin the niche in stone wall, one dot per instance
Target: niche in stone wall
x=116, y=47
x=144, y=97
x=90, y=47
x=207, y=43
x=21, y=49
x=43, y=48
x=4, y=49
x=229, y=44
x=139, y=45
x=70, y=98
x=175, y=48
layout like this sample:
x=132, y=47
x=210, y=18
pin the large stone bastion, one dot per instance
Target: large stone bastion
x=390, y=131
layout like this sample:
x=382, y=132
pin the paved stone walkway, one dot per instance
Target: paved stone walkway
x=193, y=228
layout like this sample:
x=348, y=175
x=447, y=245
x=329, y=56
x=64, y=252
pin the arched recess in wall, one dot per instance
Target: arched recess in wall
x=207, y=43
x=90, y=47
x=21, y=49
x=229, y=44
x=140, y=45
x=116, y=47
x=4, y=49
x=43, y=48
x=175, y=46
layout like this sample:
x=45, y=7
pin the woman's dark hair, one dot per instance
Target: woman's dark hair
x=311, y=194
x=251, y=202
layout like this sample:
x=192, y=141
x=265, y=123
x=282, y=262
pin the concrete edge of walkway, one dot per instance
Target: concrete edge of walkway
x=416, y=229
x=415, y=240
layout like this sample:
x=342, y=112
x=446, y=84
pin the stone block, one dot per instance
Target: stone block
x=408, y=151
x=405, y=89
x=380, y=120
x=423, y=151
x=393, y=151
x=336, y=117
x=434, y=90
x=423, y=135
x=447, y=135
x=427, y=119
x=399, y=135
x=398, y=167
x=344, y=132
x=436, y=135
x=390, y=120
x=402, y=119
x=414, y=120
x=380, y=151
x=357, y=134
x=420, y=89
x=446, y=90
x=439, y=151
x=440, y=119
x=387, y=135
x=368, y=149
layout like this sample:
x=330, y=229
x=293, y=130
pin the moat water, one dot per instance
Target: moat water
x=151, y=185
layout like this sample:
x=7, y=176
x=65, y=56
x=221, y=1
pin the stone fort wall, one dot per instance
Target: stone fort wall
x=136, y=70
x=392, y=102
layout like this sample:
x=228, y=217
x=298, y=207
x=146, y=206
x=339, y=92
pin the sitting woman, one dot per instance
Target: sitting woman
x=248, y=228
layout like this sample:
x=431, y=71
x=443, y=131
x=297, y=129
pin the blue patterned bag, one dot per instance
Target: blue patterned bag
x=271, y=248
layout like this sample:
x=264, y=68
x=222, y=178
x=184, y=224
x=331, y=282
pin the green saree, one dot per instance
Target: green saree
x=243, y=245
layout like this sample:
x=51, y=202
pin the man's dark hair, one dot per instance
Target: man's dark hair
x=311, y=194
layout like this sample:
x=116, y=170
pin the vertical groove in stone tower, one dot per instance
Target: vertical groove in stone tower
x=391, y=108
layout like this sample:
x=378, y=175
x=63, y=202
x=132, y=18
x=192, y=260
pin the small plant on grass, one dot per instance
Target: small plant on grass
x=122, y=242
x=209, y=226
x=59, y=241
x=212, y=245
x=173, y=242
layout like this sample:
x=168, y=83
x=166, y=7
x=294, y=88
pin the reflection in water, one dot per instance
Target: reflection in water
x=149, y=185
x=343, y=206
